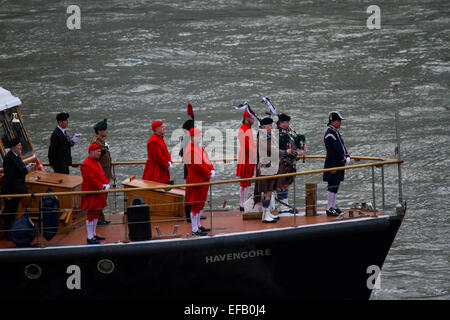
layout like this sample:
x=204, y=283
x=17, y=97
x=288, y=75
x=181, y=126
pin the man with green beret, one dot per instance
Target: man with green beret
x=101, y=131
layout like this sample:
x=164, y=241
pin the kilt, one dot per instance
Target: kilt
x=261, y=186
x=287, y=165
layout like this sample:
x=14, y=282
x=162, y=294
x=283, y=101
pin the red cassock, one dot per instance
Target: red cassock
x=199, y=170
x=93, y=179
x=158, y=157
x=247, y=154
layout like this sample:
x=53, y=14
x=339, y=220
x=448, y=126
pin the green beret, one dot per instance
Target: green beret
x=102, y=125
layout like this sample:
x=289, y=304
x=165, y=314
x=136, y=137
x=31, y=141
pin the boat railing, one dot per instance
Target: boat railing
x=375, y=162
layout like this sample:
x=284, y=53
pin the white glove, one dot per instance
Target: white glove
x=106, y=186
x=347, y=161
x=170, y=165
x=30, y=165
x=213, y=173
x=76, y=137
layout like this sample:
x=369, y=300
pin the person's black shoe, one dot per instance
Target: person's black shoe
x=202, y=228
x=332, y=212
x=199, y=233
x=97, y=237
x=202, y=217
x=93, y=241
x=338, y=210
x=241, y=209
x=188, y=220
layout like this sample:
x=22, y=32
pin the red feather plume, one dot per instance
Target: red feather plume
x=190, y=111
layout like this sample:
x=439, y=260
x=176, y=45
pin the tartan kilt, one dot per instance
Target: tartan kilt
x=287, y=165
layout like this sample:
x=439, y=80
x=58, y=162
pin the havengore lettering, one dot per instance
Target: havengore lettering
x=237, y=255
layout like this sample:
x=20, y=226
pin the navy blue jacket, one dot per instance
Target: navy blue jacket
x=336, y=153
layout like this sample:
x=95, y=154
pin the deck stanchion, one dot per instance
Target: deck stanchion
x=41, y=225
x=295, y=207
x=210, y=209
x=114, y=186
x=397, y=134
x=382, y=188
x=125, y=216
x=373, y=192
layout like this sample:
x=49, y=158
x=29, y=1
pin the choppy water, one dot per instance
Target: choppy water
x=137, y=61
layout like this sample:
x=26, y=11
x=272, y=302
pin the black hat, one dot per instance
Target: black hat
x=284, y=117
x=265, y=121
x=102, y=125
x=188, y=124
x=62, y=116
x=334, y=115
x=14, y=142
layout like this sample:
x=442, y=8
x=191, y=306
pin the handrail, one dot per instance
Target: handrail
x=381, y=161
x=357, y=158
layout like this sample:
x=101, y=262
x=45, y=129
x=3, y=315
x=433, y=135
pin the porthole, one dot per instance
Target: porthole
x=105, y=266
x=33, y=271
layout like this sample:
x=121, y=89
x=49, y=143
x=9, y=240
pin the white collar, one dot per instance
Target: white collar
x=63, y=130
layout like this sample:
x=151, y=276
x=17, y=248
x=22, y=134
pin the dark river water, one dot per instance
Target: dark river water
x=134, y=62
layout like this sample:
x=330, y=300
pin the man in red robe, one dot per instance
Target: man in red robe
x=200, y=170
x=158, y=165
x=246, y=157
x=94, y=178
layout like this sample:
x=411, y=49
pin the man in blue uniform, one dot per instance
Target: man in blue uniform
x=337, y=156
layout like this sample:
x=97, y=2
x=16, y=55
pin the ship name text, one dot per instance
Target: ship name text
x=237, y=255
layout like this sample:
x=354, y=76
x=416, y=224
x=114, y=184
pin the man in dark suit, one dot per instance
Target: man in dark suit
x=59, y=152
x=14, y=179
x=337, y=156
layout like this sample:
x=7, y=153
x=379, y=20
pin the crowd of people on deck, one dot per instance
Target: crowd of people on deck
x=255, y=159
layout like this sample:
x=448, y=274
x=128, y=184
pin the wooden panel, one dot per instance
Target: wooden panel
x=163, y=204
x=40, y=181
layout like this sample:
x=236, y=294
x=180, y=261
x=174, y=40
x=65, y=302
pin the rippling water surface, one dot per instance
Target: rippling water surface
x=137, y=61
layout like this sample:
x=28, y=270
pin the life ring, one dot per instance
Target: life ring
x=39, y=165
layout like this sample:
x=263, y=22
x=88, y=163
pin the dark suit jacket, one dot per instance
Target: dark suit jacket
x=15, y=172
x=59, y=152
x=336, y=153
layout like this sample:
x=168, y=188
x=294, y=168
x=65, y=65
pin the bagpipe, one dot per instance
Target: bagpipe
x=298, y=139
x=246, y=106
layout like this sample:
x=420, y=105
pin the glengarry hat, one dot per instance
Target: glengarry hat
x=284, y=117
x=266, y=120
x=102, y=125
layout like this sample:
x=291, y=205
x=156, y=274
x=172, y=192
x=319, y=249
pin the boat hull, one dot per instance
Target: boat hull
x=326, y=261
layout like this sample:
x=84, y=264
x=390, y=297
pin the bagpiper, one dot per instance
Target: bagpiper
x=291, y=146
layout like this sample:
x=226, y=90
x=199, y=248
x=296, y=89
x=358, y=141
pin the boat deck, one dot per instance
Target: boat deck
x=224, y=221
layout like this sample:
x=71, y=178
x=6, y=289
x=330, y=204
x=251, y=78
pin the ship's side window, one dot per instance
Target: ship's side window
x=5, y=132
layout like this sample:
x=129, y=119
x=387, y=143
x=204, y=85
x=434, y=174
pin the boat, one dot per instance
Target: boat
x=306, y=255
